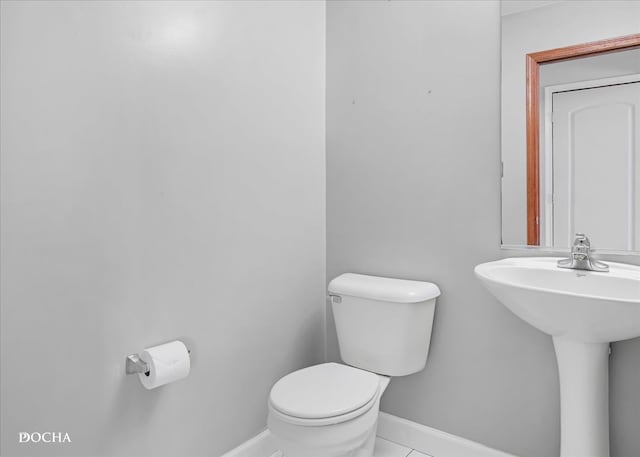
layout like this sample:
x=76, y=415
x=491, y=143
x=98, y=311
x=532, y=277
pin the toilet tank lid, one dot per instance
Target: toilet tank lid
x=383, y=289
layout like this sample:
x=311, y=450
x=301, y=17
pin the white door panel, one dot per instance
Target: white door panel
x=596, y=166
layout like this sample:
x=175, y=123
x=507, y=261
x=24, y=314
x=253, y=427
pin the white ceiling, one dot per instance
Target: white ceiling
x=517, y=6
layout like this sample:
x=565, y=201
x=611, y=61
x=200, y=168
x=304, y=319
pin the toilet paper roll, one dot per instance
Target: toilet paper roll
x=167, y=363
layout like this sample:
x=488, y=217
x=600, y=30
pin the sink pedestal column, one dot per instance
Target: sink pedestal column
x=584, y=398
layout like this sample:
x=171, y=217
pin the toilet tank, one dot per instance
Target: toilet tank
x=383, y=324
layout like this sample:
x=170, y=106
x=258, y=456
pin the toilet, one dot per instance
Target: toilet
x=331, y=409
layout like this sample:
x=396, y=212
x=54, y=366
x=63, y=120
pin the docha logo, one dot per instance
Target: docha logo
x=45, y=437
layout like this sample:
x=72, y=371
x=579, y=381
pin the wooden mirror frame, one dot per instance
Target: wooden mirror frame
x=534, y=60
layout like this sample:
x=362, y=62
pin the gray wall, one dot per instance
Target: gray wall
x=413, y=191
x=594, y=67
x=162, y=177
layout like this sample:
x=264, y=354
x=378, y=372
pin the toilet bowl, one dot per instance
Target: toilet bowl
x=326, y=410
x=331, y=409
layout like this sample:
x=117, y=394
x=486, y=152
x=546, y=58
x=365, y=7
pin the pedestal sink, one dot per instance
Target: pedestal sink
x=583, y=311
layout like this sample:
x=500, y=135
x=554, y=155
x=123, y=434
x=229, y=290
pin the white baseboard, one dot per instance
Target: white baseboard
x=430, y=440
x=410, y=434
x=261, y=445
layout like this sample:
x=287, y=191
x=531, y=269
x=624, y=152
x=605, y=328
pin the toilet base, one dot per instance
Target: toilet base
x=367, y=449
x=294, y=449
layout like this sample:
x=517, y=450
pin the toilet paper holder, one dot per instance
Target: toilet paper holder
x=134, y=364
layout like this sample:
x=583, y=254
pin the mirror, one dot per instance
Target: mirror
x=571, y=124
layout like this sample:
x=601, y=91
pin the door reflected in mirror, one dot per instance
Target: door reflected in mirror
x=571, y=124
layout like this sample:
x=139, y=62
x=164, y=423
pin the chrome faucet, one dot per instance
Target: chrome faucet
x=580, y=258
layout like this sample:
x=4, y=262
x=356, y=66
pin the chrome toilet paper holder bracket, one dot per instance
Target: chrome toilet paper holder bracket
x=134, y=364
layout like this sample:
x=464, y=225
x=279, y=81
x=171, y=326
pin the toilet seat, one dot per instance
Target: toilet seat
x=322, y=421
x=324, y=394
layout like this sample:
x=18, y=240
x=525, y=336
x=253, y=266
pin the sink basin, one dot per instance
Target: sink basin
x=583, y=311
x=579, y=305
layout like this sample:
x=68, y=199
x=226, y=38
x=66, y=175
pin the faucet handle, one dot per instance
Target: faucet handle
x=581, y=240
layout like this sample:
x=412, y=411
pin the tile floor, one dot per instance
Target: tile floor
x=386, y=448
